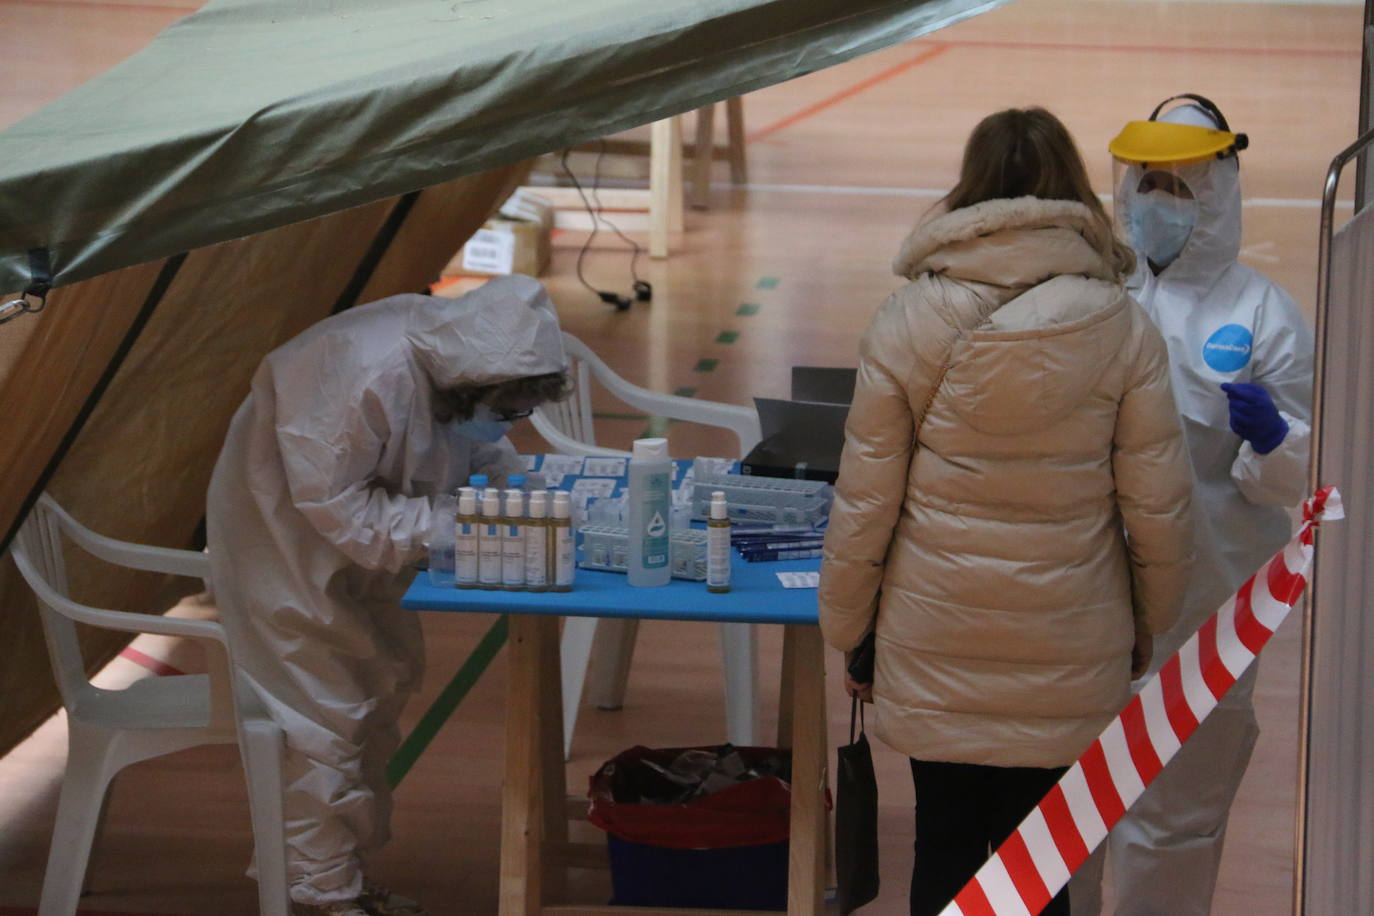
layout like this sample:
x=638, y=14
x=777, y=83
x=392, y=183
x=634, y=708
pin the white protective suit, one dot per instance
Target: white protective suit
x=1223, y=322
x=319, y=505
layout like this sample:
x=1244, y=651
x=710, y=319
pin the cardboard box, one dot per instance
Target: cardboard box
x=514, y=241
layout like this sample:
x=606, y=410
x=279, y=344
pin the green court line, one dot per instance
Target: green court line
x=686, y=392
x=603, y=415
x=447, y=701
x=767, y=282
x=706, y=365
x=727, y=337
x=747, y=308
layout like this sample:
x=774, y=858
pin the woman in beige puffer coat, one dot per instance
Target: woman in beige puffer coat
x=1011, y=514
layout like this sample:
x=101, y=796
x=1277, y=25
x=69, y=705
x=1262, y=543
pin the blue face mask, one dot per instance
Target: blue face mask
x=484, y=426
x=1161, y=225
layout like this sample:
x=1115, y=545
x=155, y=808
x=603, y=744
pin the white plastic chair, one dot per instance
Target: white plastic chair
x=569, y=428
x=108, y=730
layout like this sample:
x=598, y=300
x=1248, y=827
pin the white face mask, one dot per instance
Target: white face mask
x=1160, y=225
x=484, y=426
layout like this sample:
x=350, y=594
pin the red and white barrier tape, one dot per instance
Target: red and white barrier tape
x=1036, y=861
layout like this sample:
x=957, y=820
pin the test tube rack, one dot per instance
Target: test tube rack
x=775, y=500
x=605, y=547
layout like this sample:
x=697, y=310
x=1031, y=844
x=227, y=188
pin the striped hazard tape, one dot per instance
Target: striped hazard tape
x=1036, y=861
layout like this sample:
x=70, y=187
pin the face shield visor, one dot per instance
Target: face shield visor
x=1157, y=165
x=1156, y=209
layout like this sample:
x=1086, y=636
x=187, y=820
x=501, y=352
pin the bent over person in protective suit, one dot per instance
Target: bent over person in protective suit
x=1240, y=358
x=320, y=503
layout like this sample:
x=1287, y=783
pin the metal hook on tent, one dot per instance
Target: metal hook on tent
x=40, y=268
x=22, y=306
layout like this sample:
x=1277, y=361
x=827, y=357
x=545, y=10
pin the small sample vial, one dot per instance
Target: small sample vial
x=489, y=541
x=537, y=543
x=718, y=545
x=466, y=539
x=561, y=542
x=513, y=542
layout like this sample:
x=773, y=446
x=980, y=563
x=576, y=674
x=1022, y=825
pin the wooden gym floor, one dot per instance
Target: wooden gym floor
x=783, y=271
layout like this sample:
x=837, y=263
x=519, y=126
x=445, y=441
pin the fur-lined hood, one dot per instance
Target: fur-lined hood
x=1011, y=242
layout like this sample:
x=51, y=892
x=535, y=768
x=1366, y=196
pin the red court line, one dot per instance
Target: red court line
x=1148, y=49
x=850, y=91
x=157, y=666
x=108, y=7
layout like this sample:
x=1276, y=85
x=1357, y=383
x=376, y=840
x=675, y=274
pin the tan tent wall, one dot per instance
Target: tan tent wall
x=139, y=466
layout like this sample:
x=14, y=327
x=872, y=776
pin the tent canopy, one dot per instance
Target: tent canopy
x=253, y=114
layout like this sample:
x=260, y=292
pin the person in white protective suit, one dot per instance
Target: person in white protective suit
x=319, y=506
x=1241, y=364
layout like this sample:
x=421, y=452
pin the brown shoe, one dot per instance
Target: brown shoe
x=338, y=908
x=378, y=901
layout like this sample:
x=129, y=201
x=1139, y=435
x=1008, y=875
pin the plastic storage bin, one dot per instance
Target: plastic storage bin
x=726, y=850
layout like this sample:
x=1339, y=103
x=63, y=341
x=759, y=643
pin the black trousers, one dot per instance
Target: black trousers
x=963, y=813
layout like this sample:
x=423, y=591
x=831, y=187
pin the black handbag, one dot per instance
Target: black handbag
x=856, y=818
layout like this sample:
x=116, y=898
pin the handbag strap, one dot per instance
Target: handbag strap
x=855, y=707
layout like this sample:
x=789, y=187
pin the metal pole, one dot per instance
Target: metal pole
x=1362, y=176
x=1315, y=475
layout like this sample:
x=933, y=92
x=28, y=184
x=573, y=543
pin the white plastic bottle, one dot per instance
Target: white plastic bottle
x=489, y=541
x=561, y=542
x=440, y=541
x=513, y=542
x=718, y=544
x=648, y=512
x=466, y=539
x=537, y=543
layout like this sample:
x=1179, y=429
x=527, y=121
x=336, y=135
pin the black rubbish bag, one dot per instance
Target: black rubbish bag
x=856, y=819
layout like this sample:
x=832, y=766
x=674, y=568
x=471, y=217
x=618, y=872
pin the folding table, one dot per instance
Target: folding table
x=535, y=848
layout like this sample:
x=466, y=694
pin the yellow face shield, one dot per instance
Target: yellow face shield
x=1160, y=143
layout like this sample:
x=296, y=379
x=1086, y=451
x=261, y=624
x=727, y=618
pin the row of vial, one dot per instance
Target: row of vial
x=524, y=545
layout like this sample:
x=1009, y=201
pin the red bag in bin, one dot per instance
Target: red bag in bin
x=750, y=813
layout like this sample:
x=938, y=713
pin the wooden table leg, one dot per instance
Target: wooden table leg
x=665, y=184
x=553, y=770
x=806, y=682
x=522, y=820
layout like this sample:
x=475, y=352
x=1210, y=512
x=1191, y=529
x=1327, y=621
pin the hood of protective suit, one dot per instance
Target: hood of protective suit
x=503, y=330
x=1215, y=240
x=1057, y=317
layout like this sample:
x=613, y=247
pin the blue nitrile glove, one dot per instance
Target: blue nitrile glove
x=1254, y=417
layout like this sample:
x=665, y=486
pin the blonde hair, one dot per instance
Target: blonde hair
x=1025, y=152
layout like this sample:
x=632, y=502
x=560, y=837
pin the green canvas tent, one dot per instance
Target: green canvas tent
x=262, y=164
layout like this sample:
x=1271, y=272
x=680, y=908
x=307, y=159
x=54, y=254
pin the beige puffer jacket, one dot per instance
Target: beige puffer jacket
x=1042, y=503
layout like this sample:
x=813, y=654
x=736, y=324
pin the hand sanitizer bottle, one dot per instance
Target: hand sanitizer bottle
x=649, y=510
x=718, y=545
x=561, y=543
x=466, y=554
x=489, y=541
x=537, y=543
x=513, y=542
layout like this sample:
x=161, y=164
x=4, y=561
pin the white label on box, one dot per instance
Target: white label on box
x=561, y=465
x=604, y=467
x=525, y=205
x=489, y=252
x=800, y=579
x=594, y=487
